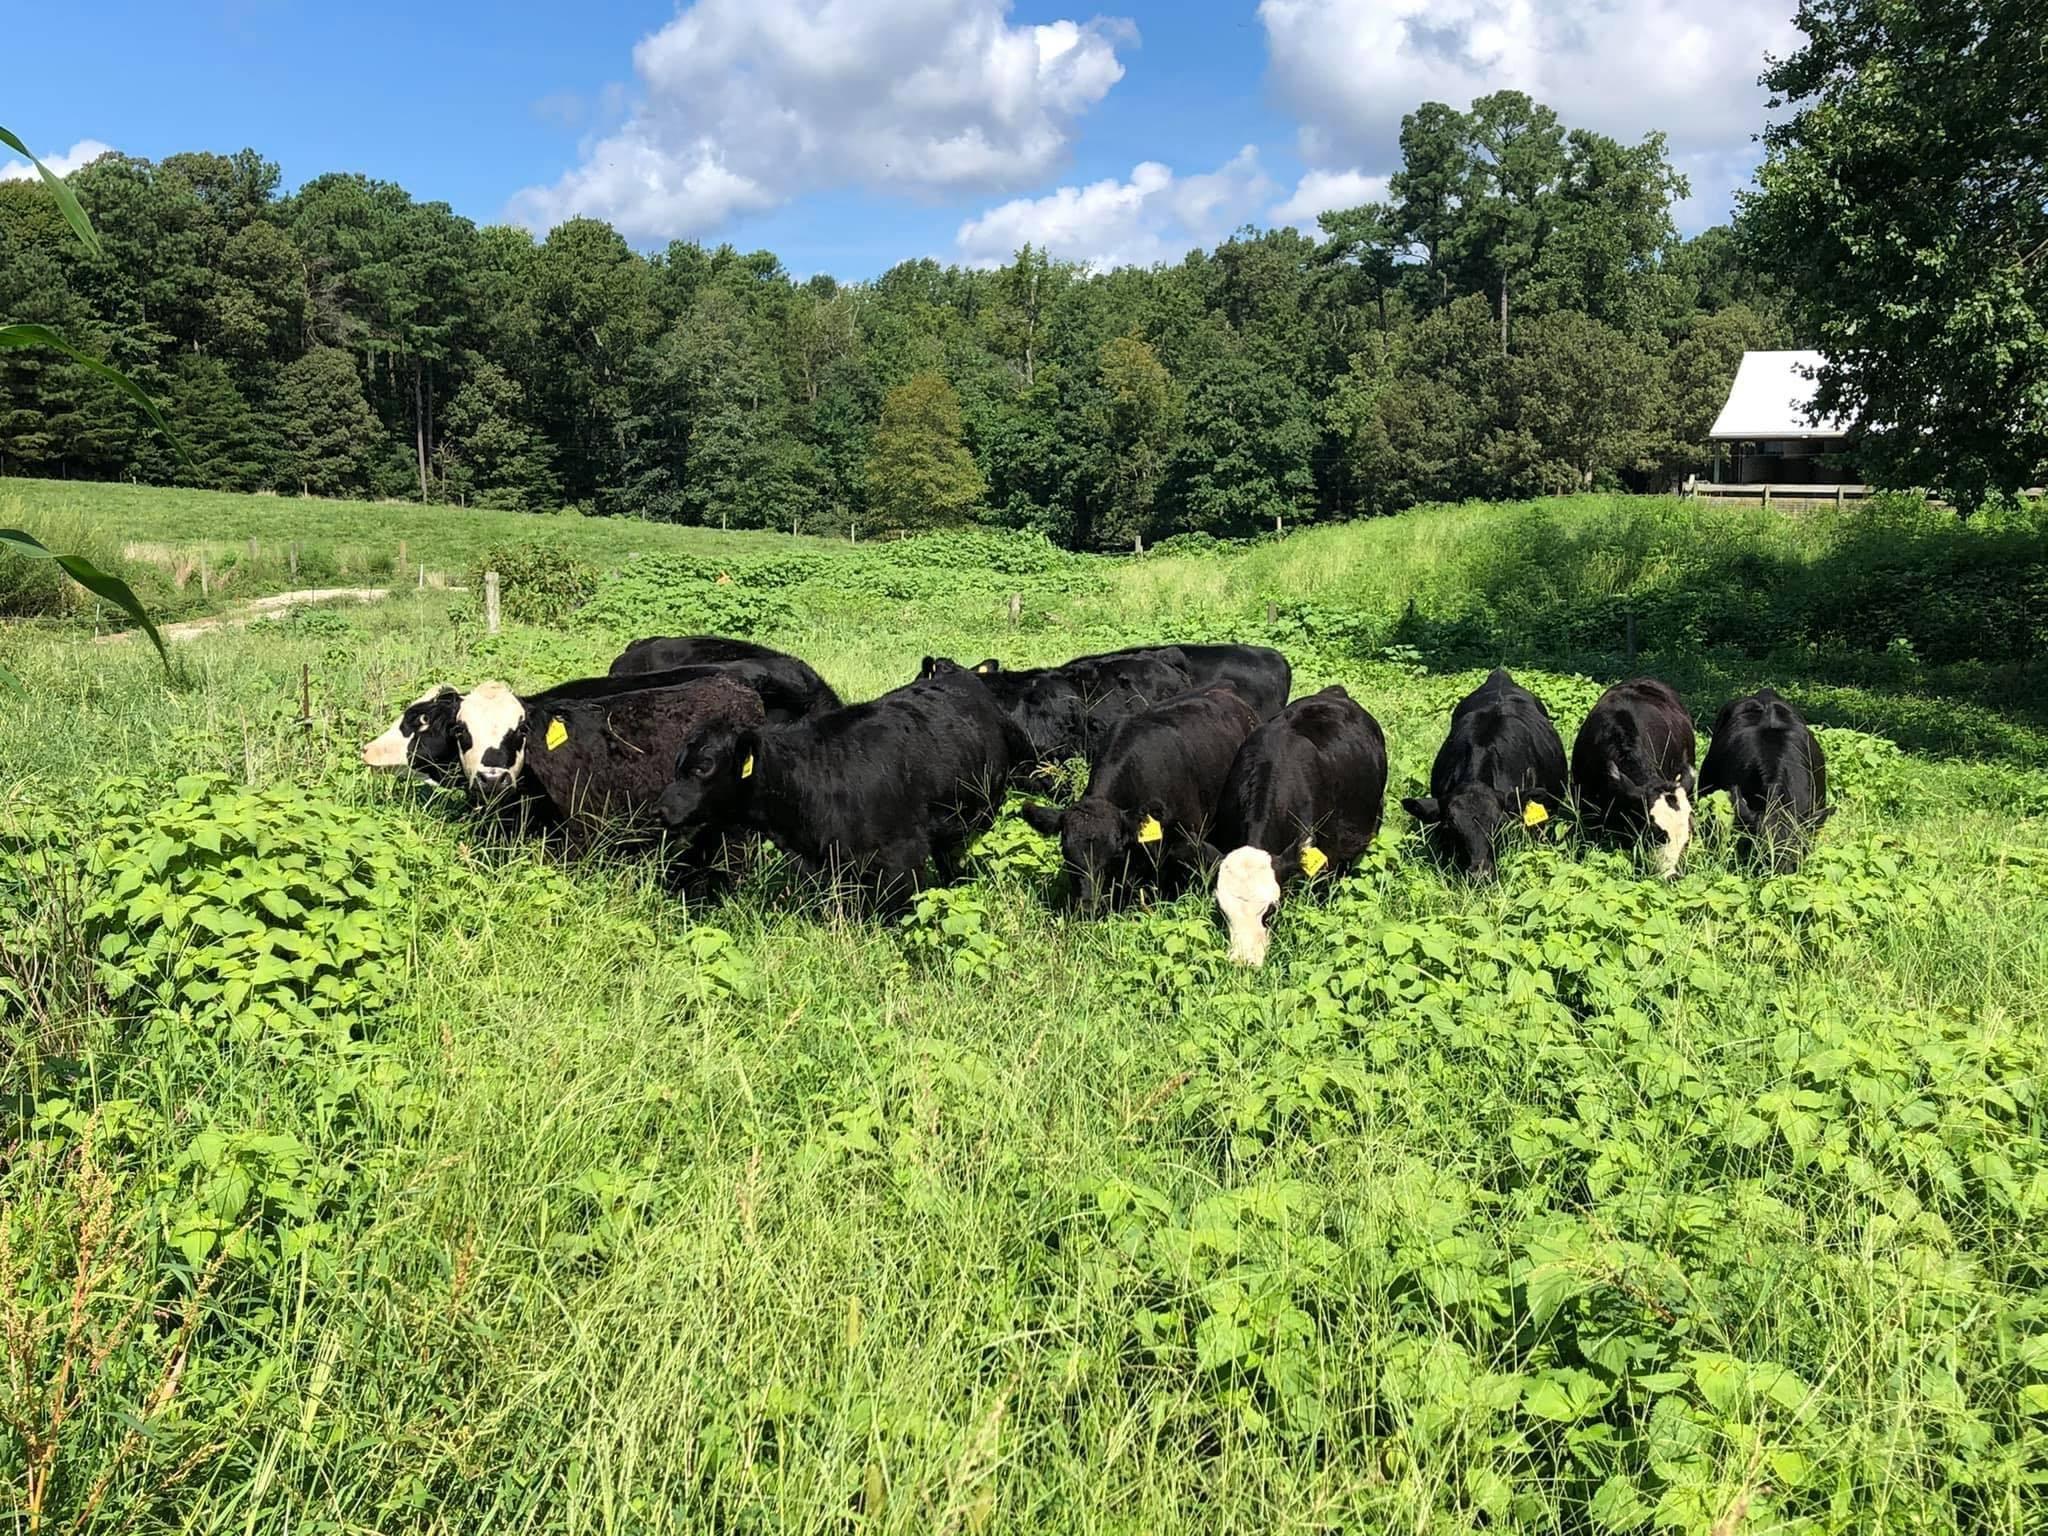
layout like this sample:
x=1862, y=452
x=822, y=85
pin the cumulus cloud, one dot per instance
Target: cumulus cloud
x=1349, y=69
x=84, y=152
x=744, y=104
x=1319, y=192
x=1154, y=216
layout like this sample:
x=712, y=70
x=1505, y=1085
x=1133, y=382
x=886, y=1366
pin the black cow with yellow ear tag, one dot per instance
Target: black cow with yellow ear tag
x=1152, y=792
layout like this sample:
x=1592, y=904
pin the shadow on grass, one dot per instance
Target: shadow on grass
x=1902, y=621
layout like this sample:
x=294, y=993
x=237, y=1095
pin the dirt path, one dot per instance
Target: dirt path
x=255, y=608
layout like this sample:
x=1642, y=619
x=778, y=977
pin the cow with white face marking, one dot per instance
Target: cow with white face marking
x=490, y=737
x=1632, y=770
x=1769, y=762
x=1304, y=799
x=422, y=739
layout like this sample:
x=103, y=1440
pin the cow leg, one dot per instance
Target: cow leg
x=897, y=873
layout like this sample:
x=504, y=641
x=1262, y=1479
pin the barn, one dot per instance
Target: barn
x=1764, y=434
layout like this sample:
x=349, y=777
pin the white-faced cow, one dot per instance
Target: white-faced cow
x=1632, y=770
x=1501, y=766
x=1304, y=798
x=1770, y=764
x=422, y=739
x=871, y=792
x=1152, y=793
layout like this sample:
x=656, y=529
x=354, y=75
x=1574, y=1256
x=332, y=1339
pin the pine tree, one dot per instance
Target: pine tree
x=327, y=433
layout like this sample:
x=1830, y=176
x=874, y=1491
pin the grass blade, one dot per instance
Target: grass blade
x=43, y=336
x=73, y=214
x=89, y=576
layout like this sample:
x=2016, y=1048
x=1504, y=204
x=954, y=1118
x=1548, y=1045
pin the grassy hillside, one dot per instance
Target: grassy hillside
x=462, y=1190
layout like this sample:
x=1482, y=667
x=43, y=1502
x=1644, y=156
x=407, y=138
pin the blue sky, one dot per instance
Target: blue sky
x=848, y=134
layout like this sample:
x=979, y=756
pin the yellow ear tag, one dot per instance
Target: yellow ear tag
x=981, y=669
x=557, y=734
x=1313, y=860
x=747, y=768
x=1533, y=814
x=1149, y=830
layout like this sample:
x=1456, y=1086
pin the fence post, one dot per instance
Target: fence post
x=1137, y=543
x=205, y=578
x=1278, y=527
x=252, y=552
x=1838, y=498
x=1767, y=498
x=1272, y=613
x=1016, y=608
x=293, y=555
x=423, y=576
x=490, y=602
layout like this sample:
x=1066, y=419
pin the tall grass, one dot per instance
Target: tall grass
x=632, y=1216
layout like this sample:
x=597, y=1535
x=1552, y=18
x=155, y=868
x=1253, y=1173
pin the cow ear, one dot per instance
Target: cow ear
x=1043, y=818
x=1424, y=809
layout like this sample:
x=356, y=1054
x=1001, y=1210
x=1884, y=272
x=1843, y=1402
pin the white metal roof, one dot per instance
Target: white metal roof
x=1769, y=399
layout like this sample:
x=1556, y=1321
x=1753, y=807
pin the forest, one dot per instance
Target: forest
x=1519, y=317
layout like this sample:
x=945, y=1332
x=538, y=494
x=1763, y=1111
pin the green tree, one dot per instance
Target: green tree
x=1137, y=417
x=920, y=474
x=1904, y=204
x=325, y=427
x=1433, y=191
x=489, y=456
x=1581, y=405
x=1244, y=450
x=1698, y=372
x=232, y=448
x=1518, y=161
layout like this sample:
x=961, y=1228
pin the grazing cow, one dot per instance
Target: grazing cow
x=1152, y=792
x=603, y=763
x=788, y=689
x=1632, y=770
x=1304, y=795
x=871, y=791
x=1261, y=675
x=422, y=739
x=1503, y=762
x=1770, y=763
x=1068, y=711
x=756, y=665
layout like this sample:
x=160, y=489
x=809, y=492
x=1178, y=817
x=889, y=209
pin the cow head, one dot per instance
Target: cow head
x=1463, y=828
x=1102, y=845
x=490, y=732
x=422, y=739
x=1770, y=833
x=1659, y=811
x=714, y=775
x=1247, y=891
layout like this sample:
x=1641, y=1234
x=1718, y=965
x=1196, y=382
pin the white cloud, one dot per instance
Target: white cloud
x=84, y=152
x=1154, y=216
x=1319, y=192
x=1349, y=69
x=744, y=104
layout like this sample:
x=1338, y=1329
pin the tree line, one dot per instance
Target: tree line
x=1518, y=317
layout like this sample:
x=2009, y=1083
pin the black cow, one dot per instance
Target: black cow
x=1771, y=765
x=1261, y=675
x=757, y=665
x=422, y=739
x=1152, y=792
x=788, y=689
x=1069, y=711
x=603, y=763
x=1503, y=762
x=871, y=791
x=1304, y=795
x=1632, y=770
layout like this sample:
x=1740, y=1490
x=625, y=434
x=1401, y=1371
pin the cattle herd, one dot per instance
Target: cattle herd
x=1197, y=764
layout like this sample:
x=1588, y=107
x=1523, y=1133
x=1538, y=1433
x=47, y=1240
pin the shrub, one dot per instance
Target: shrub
x=538, y=582
x=661, y=595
